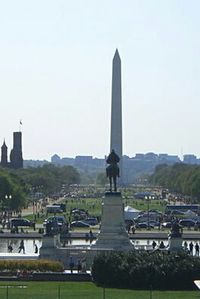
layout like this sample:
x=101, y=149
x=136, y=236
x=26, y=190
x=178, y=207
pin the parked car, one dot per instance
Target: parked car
x=61, y=205
x=166, y=224
x=15, y=222
x=79, y=224
x=91, y=221
x=144, y=225
x=187, y=222
x=59, y=219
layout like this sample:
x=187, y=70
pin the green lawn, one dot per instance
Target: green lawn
x=93, y=205
x=64, y=290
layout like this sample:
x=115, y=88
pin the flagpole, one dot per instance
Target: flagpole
x=20, y=126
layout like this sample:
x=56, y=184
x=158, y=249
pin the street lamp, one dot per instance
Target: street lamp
x=8, y=197
x=148, y=198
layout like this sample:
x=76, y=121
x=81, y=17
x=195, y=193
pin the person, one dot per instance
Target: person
x=162, y=246
x=128, y=228
x=10, y=248
x=36, y=248
x=191, y=248
x=21, y=247
x=197, y=249
x=154, y=244
x=185, y=246
x=91, y=233
x=71, y=264
x=133, y=229
x=83, y=265
x=79, y=266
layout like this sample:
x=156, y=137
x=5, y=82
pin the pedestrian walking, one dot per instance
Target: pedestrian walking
x=21, y=247
x=10, y=248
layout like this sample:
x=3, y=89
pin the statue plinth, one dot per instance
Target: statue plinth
x=175, y=243
x=113, y=235
x=175, y=238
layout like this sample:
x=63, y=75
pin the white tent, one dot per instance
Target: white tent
x=130, y=213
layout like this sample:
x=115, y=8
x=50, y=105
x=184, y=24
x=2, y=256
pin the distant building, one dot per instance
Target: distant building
x=16, y=159
x=4, y=155
x=190, y=159
x=55, y=159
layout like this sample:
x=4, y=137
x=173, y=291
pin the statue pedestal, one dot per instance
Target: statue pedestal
x=175, y=243
x=49, y=243
x=113, y=235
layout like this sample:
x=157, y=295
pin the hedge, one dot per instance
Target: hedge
x=145, y=270
x=31, y=265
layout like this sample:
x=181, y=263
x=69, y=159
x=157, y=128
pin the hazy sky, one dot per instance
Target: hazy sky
x=55, y=75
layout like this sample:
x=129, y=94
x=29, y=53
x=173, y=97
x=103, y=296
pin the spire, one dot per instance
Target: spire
x=116, y=56
x=4, y=144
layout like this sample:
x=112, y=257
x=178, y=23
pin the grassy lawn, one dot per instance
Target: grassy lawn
x=93, y=205
x=50, y=290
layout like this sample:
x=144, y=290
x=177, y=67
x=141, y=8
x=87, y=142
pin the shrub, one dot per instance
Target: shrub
x=31, y=265
x=144, y=270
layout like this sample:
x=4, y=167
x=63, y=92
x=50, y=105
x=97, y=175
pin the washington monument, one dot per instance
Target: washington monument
x=116, y=111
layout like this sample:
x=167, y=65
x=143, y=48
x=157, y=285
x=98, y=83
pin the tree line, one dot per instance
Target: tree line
x=179, y=178
x=17, y=186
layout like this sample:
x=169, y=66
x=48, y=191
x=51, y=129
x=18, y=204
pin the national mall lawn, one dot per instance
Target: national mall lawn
x=81, y=290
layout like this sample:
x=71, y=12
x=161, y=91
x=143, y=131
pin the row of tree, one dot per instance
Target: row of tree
x=16, y=186
x=179, y=178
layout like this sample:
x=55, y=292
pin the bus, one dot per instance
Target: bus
x=182, y=208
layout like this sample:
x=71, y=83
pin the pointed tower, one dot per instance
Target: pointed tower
x=4, y=155
x=16, y=160
x=116, y=111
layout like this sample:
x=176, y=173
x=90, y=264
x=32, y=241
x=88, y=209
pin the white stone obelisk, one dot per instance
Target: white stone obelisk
x=116, y=111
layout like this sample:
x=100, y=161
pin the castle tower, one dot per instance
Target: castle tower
x=116, y=111
x=16, y=160
x=4, y=155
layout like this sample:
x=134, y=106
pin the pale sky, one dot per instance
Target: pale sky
x=55, y=75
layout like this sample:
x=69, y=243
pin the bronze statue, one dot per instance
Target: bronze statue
x=112, y=171
x=176, y=229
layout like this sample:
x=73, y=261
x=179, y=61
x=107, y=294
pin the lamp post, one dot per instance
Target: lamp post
x=8, y=198
x=148, y=198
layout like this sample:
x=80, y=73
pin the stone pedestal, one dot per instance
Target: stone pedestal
x=175, y=244
x=113, y=235
x=48, y=249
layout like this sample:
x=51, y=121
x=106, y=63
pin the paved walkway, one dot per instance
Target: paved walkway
x=82, y=235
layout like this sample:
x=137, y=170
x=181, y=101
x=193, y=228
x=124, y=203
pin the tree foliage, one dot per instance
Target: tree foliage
x=48, y=180
x=145, y=270
x=180, y=178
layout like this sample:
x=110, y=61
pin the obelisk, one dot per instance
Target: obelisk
x=116, y=111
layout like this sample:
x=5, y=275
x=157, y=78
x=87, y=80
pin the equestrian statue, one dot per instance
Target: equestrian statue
x=112, y=171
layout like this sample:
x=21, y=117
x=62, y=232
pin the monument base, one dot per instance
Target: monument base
x=49, y=243
x=113, y=235
x=175, y=244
